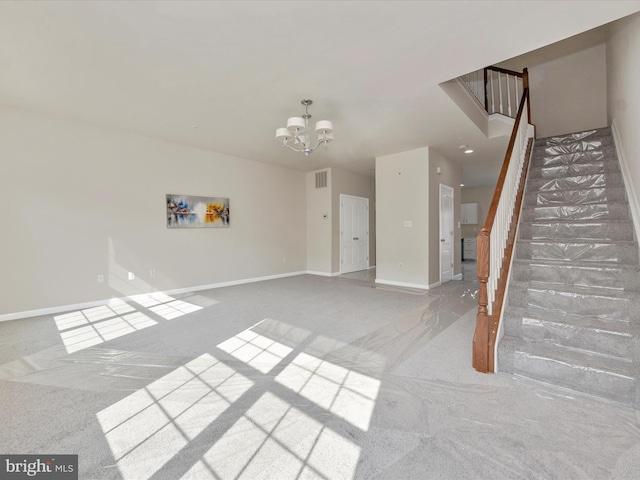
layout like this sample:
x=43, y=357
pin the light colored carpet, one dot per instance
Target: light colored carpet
x=303, y=377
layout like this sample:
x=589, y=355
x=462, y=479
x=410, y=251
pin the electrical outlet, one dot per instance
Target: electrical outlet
x=401, y=264
x=152, y=272
x=131, y=276
x=100, y=278
x=284, y=259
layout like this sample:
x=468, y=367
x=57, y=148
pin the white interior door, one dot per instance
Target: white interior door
x=354, y=233
x=446, y=233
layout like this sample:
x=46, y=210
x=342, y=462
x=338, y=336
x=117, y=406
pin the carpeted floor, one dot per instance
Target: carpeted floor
x=301, y=377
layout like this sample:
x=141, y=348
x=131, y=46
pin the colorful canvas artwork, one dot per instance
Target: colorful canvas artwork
x=188, y=211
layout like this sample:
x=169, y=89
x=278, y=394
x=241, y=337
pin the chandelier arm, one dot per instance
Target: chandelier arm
x=301, y=141
x=322, y=141
x=292, y=148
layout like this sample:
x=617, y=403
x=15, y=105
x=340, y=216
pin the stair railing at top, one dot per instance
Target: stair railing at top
x=498, y=90
x=496, y=237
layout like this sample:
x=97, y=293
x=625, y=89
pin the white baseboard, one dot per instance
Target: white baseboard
x=99, y=303
x=632, y=194
x=52, y=310
x=323, y=274
x=404, y=284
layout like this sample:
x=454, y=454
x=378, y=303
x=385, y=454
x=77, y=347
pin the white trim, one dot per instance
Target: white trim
x=405, y=284
x=499, y=125
x=634, y=202
x=341, y=197
x=462, y=96
x=98, y=303
x=444, y=188
x=457, y=277
x=323, y=274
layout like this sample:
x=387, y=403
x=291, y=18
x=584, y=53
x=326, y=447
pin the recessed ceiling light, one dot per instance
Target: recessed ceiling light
x=462, y=184
x=468, y=150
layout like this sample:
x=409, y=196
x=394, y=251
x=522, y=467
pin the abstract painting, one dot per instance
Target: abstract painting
x=188, y=211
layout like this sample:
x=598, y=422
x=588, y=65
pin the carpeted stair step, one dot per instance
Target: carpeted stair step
x=575, y=230
x=574, y=169
x=584, y=145
x=606, y=337
x=578, y=251
x=576, y=158
x=596, y=180
x=594, y=302
x=596, y=375
x=558, y=274
x=609, y=210
x=554, y=156
x=592, y=134
x=582, y=196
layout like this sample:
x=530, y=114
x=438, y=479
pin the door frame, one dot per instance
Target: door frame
x=342, y=196
x=446, y=188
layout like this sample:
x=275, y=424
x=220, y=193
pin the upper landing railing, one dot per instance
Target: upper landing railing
x=496, y=89
x=496, y=238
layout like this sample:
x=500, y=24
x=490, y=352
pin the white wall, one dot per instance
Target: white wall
x=568, y=84
x=568, y=94
x=81, y=201
x=402, y=195
x=318, y=227
x=323, y=217
x=623, y=93
x=450, y=175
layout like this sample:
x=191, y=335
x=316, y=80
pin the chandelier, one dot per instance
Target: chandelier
x=297, y=132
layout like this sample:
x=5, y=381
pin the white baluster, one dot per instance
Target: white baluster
x=493, y=97
x=508, y=95
x=500, y=92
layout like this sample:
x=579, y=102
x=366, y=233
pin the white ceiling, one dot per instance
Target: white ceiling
x=237, y=70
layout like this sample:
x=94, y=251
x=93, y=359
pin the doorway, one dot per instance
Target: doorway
x=354, y=233
x=446, y=233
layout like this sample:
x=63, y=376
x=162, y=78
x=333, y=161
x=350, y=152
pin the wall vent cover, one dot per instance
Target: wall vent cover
x=321, y=179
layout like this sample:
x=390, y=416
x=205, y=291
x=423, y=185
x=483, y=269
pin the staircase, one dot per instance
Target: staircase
x=573, y=312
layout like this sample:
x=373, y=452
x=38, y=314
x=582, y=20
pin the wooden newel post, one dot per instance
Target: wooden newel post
x=481, y=337
x=486, y=91
x=525, y=87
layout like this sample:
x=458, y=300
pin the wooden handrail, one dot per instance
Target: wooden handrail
x=487, y=324
x=524, y=76
x=505, y=80
x=504, y=70
x=488, y=224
